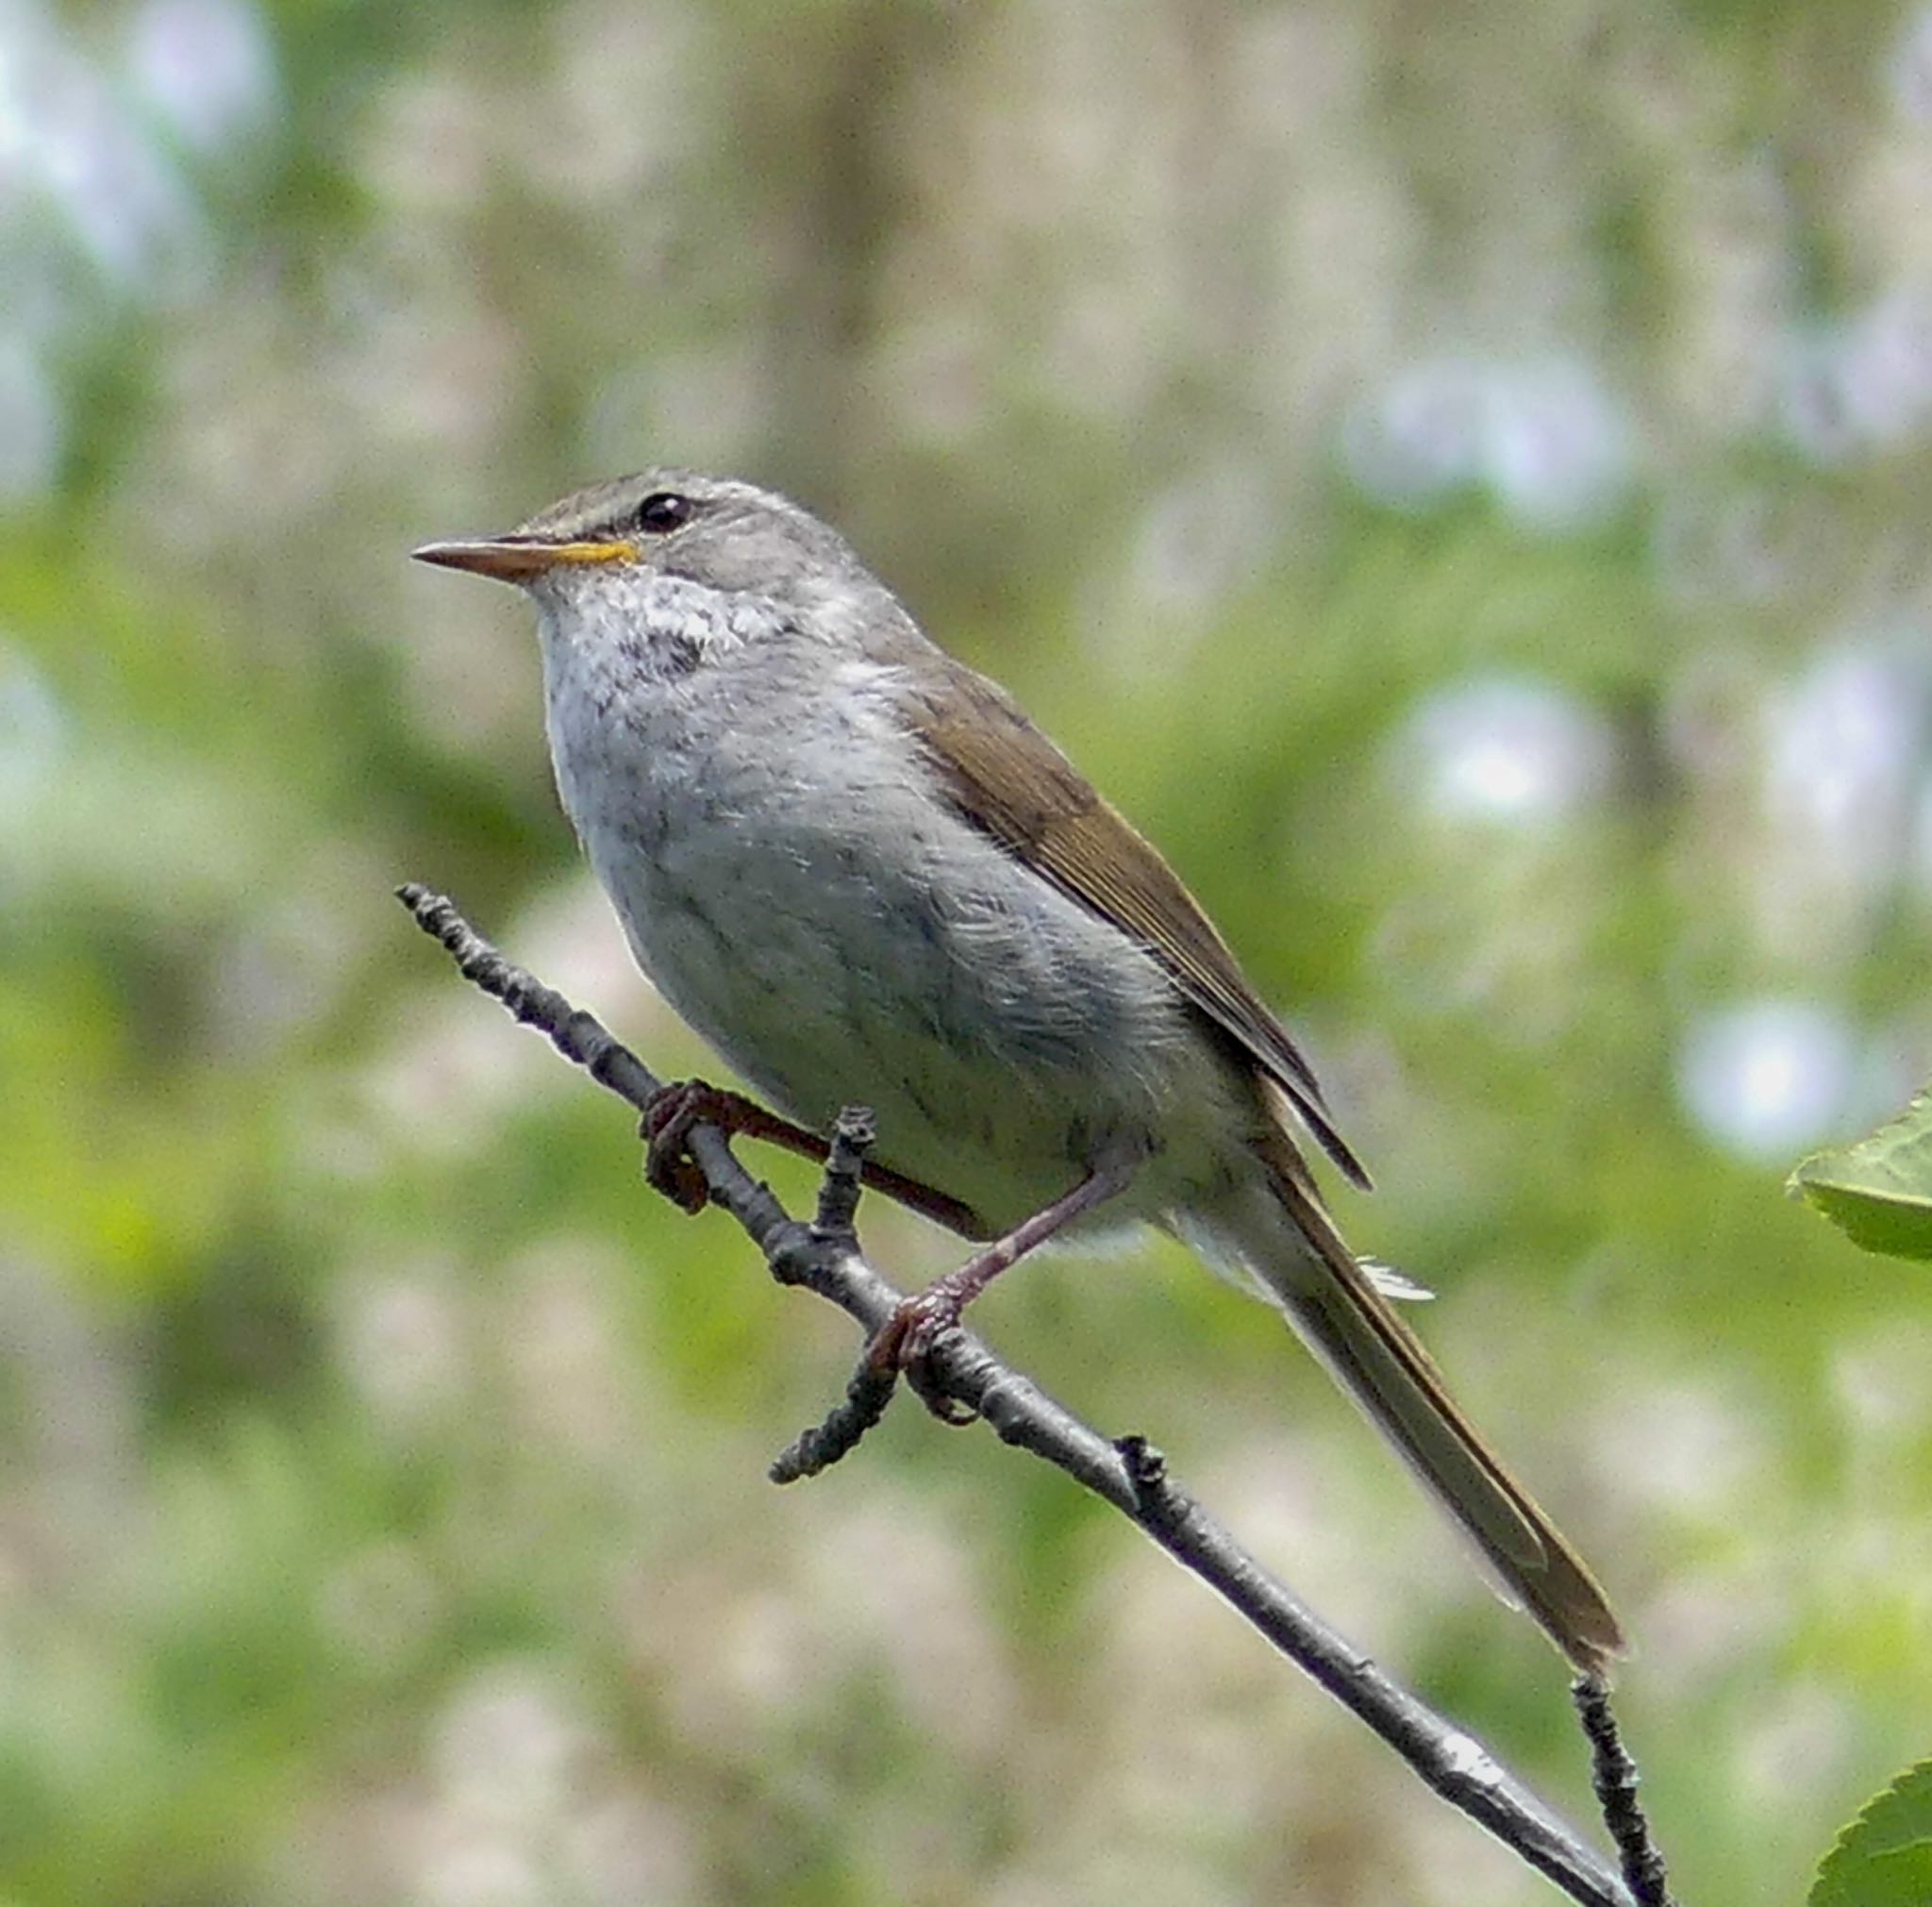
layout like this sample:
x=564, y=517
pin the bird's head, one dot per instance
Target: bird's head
x=606, y=545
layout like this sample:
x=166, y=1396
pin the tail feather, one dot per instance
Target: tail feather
x=1335, y=1308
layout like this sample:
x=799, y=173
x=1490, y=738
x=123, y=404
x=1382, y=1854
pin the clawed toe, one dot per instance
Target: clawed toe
x=669, y=1116
x=903, y=1346
x=679, y=1180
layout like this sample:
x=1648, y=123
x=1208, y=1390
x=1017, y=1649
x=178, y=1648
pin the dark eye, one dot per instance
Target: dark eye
x=662, y=512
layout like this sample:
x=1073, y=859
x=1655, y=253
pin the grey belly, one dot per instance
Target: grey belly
x=992, y=1026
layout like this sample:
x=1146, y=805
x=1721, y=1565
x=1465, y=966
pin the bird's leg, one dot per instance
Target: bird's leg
x=903, y=1342
x=673, y=1109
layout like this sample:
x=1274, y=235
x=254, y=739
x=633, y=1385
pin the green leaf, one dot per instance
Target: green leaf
x=1878, y=1192
x=1883, y=1859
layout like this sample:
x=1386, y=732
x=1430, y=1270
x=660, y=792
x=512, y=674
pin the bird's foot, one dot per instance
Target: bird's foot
x=903, y=1346
x=665, y=1129
x=673, y=1109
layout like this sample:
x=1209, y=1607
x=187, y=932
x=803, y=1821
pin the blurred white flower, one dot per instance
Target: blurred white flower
x=69, y=142
x=400, y=1342
x=1878, y=1379
x=1509, y=751
x=528, y=1807
x=121, y=198
x=1766, y=1078
x=206, y=67
x=1558, y=452
x=1864, y=383
x=1912, y=67
x=33, y=736
x=510, y=1746
x=1843, y=754
x=457, y=1866
x=1544, y=437
x=1421, y=436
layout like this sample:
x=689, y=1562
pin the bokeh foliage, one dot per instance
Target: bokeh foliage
x=1456, y=476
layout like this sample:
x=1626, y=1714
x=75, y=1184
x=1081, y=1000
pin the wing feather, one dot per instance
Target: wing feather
x=1006, y=779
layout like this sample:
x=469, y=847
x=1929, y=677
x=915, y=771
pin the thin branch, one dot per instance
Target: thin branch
x=1613, y=1775
x=1130, y=1475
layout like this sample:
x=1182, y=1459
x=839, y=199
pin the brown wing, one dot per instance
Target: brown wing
x=1009, y=779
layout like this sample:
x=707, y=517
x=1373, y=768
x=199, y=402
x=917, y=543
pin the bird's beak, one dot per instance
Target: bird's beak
x=515, y=559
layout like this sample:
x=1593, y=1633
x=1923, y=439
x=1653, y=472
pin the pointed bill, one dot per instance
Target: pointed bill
x=515, y=559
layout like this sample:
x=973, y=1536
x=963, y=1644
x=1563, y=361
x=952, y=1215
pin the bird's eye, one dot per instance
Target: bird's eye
x=662, y=512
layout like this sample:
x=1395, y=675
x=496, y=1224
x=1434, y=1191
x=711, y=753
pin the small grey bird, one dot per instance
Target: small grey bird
x=864, y=876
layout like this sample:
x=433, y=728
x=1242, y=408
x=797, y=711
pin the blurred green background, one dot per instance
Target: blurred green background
x=1457, y=474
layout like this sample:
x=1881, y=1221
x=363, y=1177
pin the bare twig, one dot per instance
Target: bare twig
x=1613, y=1774
x=868, y=1391
x=852, y=1137
x=1130, y=1475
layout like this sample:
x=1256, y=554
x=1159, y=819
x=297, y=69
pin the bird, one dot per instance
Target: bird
x=856, y=867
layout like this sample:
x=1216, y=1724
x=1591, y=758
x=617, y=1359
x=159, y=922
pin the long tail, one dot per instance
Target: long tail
x=1382, y=1365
